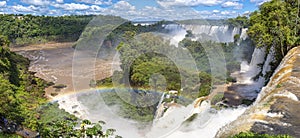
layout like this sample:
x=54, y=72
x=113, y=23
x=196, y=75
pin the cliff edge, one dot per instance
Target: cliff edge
x=277, y=108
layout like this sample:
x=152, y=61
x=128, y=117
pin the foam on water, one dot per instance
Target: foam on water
x=208, y=123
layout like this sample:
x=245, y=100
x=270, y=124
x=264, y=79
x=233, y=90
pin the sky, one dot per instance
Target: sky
x=137, y=10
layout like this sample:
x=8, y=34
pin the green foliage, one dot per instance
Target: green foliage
x=20, y=91
x=240, y=21
x=54, y=122
x=70, y=128
x=107, y=82
x=142, y=113
x=28, y=29
x=198, y=52
x=113, y=32
x=217, y=98
x=276, y=24
x=253, y=135
x=3, y=135
x=50, y=112
x=142, y=65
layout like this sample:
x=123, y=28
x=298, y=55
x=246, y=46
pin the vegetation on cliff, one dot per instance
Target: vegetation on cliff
x=24, y=109
x=276, y=24
x=21, y=92
x=254, y=135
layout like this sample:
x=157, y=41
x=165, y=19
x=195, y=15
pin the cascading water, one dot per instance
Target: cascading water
x=206, y=124
x=174, y=123
x=222, y=33
x=176, y=32
x=244, y=35
x=250, y=71
x=244, y=67
x=160, y=108
x=266, y=67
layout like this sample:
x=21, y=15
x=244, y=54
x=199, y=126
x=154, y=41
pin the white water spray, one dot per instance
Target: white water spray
x=222, y=33
x=177, y=33
x=208, y=123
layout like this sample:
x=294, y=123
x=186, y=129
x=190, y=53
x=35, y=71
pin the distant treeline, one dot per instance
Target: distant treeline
x=240, y=21
x=27, y=29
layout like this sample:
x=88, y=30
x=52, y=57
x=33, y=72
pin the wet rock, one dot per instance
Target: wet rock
x=276, y=109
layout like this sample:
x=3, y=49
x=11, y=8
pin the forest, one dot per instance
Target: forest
x=29, y=29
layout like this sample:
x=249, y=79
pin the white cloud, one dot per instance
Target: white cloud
x=216, y=11
x=36, y=2
x=204, y=12
x=97, y=2
x=123, y=5
x=170, y=3
x=60, y=1
x=21, y=8
x=72, y=6
x=247, y=12
x=2, y=3
x=233, y=4
x=228, y=13
x=259, y=2
x=96, y=8
x=168, y=9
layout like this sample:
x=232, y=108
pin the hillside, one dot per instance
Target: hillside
x=21, y=92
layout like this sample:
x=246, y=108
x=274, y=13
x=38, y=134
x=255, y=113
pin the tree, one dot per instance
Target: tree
x=275, y=24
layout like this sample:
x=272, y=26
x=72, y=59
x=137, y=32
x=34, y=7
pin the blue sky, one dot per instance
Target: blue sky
x=134, y=9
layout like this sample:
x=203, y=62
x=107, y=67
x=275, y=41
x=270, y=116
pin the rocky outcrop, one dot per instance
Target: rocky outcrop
x=276, y=109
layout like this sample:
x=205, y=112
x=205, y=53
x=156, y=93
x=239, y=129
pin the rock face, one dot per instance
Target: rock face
x=276, y=109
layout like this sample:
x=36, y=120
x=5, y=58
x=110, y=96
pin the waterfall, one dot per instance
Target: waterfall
x=246, y=86
x=206, y=124
x=266, y=67
x=258, y=68
x=222, y=33
x=244, y=67
x=248, y=71
x=176, y=33
x=244, y=34
x=259, y=58
x=173, y=119
x=161, y=99
x=159, y=108
x=173, y=122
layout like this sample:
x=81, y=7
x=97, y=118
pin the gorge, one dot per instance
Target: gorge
x=90, y=104
x=122, y=68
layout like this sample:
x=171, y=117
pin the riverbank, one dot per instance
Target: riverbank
x=53, y=62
